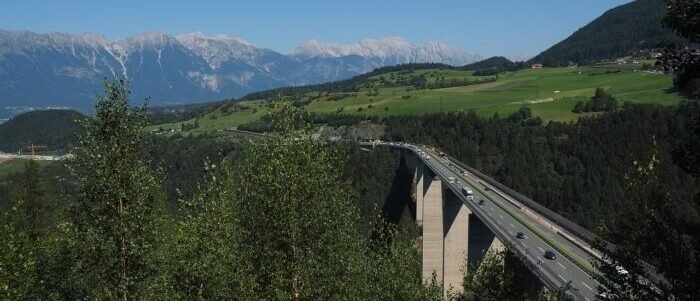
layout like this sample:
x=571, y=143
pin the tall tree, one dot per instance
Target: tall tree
x=115, y=217
x=206, y=260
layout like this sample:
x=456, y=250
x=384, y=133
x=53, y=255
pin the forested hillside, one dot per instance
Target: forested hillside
x=618, y=32
x=53, y=128
x=578, y=168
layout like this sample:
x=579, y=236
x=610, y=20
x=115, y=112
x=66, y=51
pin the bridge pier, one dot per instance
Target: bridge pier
x=452, y=235
x=456, y=241
x=433, y=230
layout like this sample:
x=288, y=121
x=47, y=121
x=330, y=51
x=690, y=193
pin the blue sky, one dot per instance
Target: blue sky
x=505, y=27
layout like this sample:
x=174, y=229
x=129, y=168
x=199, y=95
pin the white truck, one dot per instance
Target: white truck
x=468, y=192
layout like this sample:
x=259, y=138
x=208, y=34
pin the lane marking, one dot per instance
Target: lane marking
x=511, y=225
x=586, y=298
x=511, y=232
x=586, y=285
x=489, y=213
x=500, y=215
x=540, y=248
x=561, y=265
x=562, y=278
x=491, y=208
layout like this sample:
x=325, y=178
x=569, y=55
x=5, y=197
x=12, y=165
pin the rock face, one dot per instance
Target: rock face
x=57, y=69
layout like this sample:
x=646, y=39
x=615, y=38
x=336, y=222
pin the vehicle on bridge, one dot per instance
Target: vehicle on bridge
x=549, y=254
x=468, y=192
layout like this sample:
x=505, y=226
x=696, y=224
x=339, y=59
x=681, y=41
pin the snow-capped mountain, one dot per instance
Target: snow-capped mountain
x=393, y=50
x=57, y=69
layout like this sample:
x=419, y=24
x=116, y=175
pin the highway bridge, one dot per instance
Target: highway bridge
x=456, y=226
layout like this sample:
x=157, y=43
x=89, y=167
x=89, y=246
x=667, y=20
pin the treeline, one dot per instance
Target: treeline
x=177, y=113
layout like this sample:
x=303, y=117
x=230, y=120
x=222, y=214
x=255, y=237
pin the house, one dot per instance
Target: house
x=537, y=66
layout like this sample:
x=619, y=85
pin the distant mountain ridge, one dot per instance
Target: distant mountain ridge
x=57, y=69
x=620, y=31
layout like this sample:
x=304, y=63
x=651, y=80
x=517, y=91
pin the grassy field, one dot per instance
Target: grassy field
x=550, y=93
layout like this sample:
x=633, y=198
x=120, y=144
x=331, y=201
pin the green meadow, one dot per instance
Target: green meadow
x=550, y=93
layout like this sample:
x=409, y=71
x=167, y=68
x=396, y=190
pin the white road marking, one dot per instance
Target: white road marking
x=500, y=215
x=586, y=285
x=499, y=222
x=489, y=213
x=561, y=266
x=511, y=232
x=586, y=298
x=540, y=248
x=562, y=278
x=491, y=209
x=511, y=225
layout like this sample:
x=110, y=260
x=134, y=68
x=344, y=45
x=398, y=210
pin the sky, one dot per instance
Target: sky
x=504, y=27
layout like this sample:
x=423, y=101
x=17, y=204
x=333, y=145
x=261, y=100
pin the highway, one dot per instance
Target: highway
x=570, y=271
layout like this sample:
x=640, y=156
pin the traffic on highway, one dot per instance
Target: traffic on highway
x=559, y=263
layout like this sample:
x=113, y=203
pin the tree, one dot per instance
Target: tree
x=34, y=210
x=205, y=261
x=682, y=17
x=653, y=231
x=114, y=224
x=300, y=229
x=297, y=221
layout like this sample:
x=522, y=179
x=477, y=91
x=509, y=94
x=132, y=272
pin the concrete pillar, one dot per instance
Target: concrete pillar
x=433, y=233
x=416, y=166
x=456, y=223
x=496, y=246
x=420, y=191
x=481, y=241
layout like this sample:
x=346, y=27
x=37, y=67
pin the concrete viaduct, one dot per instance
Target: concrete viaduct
x=457, y=228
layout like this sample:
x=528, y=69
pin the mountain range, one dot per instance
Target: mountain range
x=58, y=69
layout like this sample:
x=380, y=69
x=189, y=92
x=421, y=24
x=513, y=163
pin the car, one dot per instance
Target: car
x=481, y=202
x=435, y=178
x=520, y=235
x=549, y=254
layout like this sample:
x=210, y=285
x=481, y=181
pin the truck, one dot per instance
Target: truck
x=468, y=192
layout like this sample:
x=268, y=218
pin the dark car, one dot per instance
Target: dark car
x=549, y=254
x=481, y=202
x=520, y=235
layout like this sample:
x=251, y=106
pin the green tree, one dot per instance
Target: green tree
x=205, y=258
x=655, y=231
x=18, y=260
x=297, y=221
x=36, y=216
x=682, y=17
x=114, y=225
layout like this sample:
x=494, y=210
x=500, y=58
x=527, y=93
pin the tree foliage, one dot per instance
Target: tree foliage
x=114, y=222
